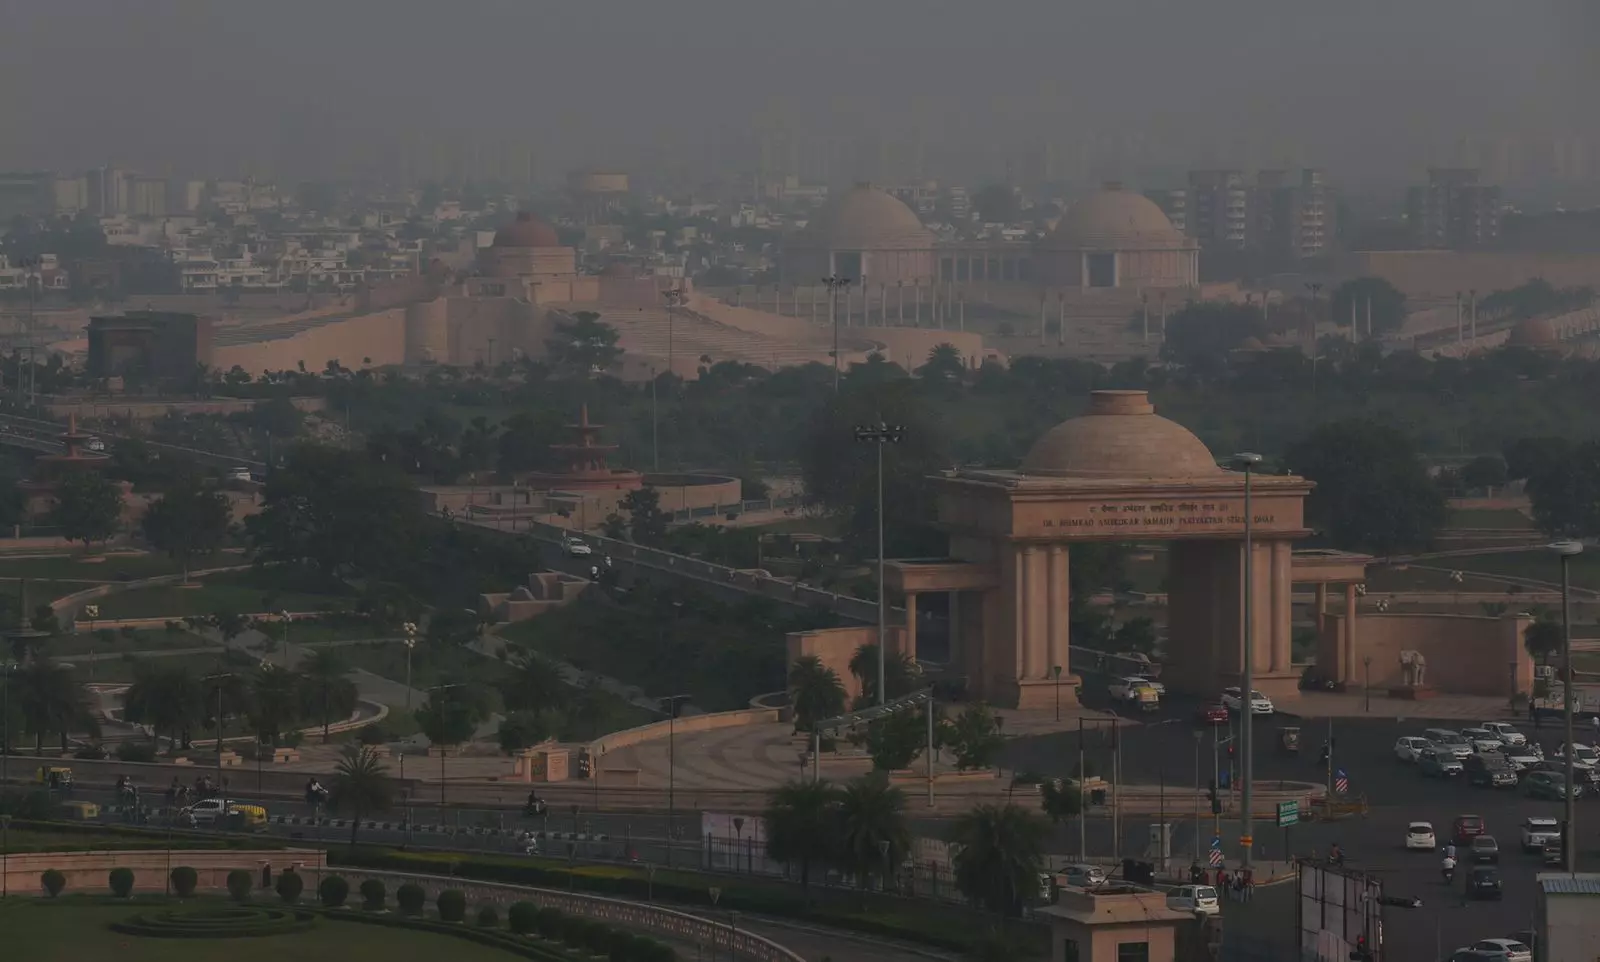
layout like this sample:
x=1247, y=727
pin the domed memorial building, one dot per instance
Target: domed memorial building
x=865, y=235
x=1116, y=238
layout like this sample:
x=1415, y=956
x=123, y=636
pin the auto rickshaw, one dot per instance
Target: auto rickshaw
x=56, y=778
x=246, y=818
x=1148, y=698
x=1289, y=740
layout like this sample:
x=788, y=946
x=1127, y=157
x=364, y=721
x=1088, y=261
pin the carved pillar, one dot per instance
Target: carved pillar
x=955, y=629
x=1282, y=613
x=1322, y=608
x=1058, y=598
x=1347, y=646
x=911, y=625
x=1026, y=592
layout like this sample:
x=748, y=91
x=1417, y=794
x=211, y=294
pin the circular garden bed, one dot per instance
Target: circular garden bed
x=215, y=922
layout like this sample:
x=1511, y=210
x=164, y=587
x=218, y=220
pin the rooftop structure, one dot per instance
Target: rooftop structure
x=586, y=458
x=1120, y=436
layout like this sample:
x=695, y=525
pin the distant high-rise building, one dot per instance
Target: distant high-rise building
x=27, y=193
x=109, y=191
x=147, y=197
x=1174, y=202
x=71, y=194
x=1453, y=210
x=1219, y=214
x=1289, y=218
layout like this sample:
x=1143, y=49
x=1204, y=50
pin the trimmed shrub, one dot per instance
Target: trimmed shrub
x=574, y=931
x=597, y=937
x=549, y=923
x=240, y=884
x=372, y=895
x=135, y=752
x=289, y=886
x=411, y=898
x=184, y=879
x=333, y=891
x=53, y=881
x=622, y=947
x=452, y=905
x=523, y=917
x=121, y=880
x=488, y=918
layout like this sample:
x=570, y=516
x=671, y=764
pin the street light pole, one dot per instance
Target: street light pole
x=410, y=628
x=1567, y=550
x=672, y=702
x=1248, y=461
x=835, y=284
x=880, y=434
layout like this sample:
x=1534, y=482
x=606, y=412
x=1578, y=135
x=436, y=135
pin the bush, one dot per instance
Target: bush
x=597, y=937
x=289, y=886
x=488, y=918
x=292, y=739
x=549, y=923
x=121, y=880
x=411, y=898
x=240, y=884
x=523, y=917
x=372, y=895
x=333, y=891
x=53, y=881
x=574, y=931
x=452, y=905
x=374, y=734
x=93, y=752
x=135, y=752
x=623, y=947
x=184, y=879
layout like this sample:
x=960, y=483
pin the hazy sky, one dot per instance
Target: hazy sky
x=1364, y=85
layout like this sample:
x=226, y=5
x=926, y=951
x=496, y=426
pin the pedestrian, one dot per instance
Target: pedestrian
x=1249, y=886
x=1597, y=726
x=1222, y=879
x=1238, y=885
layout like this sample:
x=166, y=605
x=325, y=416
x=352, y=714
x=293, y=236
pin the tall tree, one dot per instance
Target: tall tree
x=361, y=785
x=647, y=523
x=275, y=701
x=51, y=701
x=871, y=812
x=329, y=691
x=800, y=818
x=534, y=684
x=87, y=508
x=188, y=522
x=452, y=713
x=815, y=692
x=999, y=852
x=169, y=700
x=1564, y=491
x=1388, y=304
x=1373, y=493
x=899, y=674
x=585, y=345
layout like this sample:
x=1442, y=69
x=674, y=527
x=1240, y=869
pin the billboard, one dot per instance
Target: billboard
x=1335, y=910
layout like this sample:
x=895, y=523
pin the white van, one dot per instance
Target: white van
x=1194, y=898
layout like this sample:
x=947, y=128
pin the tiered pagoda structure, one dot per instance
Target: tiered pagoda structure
x=586, y=463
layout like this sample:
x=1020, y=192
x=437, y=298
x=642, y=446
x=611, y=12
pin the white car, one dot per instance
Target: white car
x=1194, y=898
x=1537, y=831
x=207, y=811
x=1504, y=732
x=1420, y=837
x=1502, y=950
x=1408, y=748
x=1581, y=754
x=1449, y=741
x=1084, y=876
x=239, y=472
x=576, y=547
x=95, y=444
x=1482, y=740
x=1523, y=757
x=1128, y=687
x=1259, y=704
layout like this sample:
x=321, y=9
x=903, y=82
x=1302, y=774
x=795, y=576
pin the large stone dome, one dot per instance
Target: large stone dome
x=866, y=218
x=1120, y=437
x=526, y=231
x=1114, y=219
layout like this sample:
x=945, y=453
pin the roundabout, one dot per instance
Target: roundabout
x=216, y=922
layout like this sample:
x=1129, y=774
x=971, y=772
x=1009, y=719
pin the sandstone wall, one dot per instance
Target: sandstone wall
x=1466, y=654
x=365, y=340
x=1423, y=274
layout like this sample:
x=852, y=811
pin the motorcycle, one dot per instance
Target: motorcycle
x=1448, y=870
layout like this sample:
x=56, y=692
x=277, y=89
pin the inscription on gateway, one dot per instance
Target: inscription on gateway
x=1173, y=515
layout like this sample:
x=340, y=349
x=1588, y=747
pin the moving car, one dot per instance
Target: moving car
x=1148, y=681
x=1234, y=700
x=1194, y=898
x=1450, y=741
x=94, y=444
x=1212, y=714
x=1482, y=740
x=1437, y=763
x=576, y=547
x=1504, y=732
x=1084, y=876
x=239, y=472
x=1420, y=837
x=1503, y=950
x=1467, y=828
x=1483, y=882
x=1126, y=686
x=1490, y=770
x=208, y=811
x=1551, y=786
x=1537, y=831
x=1484, y=849
x=1408, y=747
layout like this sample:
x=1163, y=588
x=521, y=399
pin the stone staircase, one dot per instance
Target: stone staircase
x=644, y=331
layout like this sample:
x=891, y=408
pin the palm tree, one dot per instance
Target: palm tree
x=51, y=700
x=166, y=699
x=871, y=812
x=815, y=692
x=1001, y=850
x=898, y=672
x=361, y=785
x=800, y=820
x=328, y=692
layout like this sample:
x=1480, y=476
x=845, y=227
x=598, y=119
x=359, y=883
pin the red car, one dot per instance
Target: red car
x=1468, y=827
x=1213, y=714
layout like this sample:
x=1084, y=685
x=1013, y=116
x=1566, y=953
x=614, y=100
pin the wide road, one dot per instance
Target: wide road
x=1396, y=792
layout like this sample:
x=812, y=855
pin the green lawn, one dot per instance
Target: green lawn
x=156, y=639
x=242, y=592
x=73, y=930
x=1507, y=519
x=116, y=567
x=122, y=669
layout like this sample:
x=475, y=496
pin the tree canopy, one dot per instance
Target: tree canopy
x=88, y=507
x=1388, y=304
x=1373, y=493
x=187, y=522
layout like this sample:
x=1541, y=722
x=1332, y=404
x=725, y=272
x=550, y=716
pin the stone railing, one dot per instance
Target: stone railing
x=717, y=935
x=684, y=725
x=752, y=581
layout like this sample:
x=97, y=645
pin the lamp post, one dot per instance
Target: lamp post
x=835, y=284
x=218, y=679
x=439, y=709
x=1055, y=672
x=5, y=723
x=1366, y=680
x=674, y=298
x=655, y=422
x=288, y=663
x=410, y=629
x=1567, y=550
x=1248, y=461
x=880, y=434
x=672, y=702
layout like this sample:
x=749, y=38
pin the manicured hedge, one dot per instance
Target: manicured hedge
x=121, y=882
x=373, y=894
x=494, y=938
x=184, y=879
x=411, y=898
x=489, y=917
x=452, y=905
x=53, y=881
x=333, y=891
x=290, y=885
x=240, y=884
